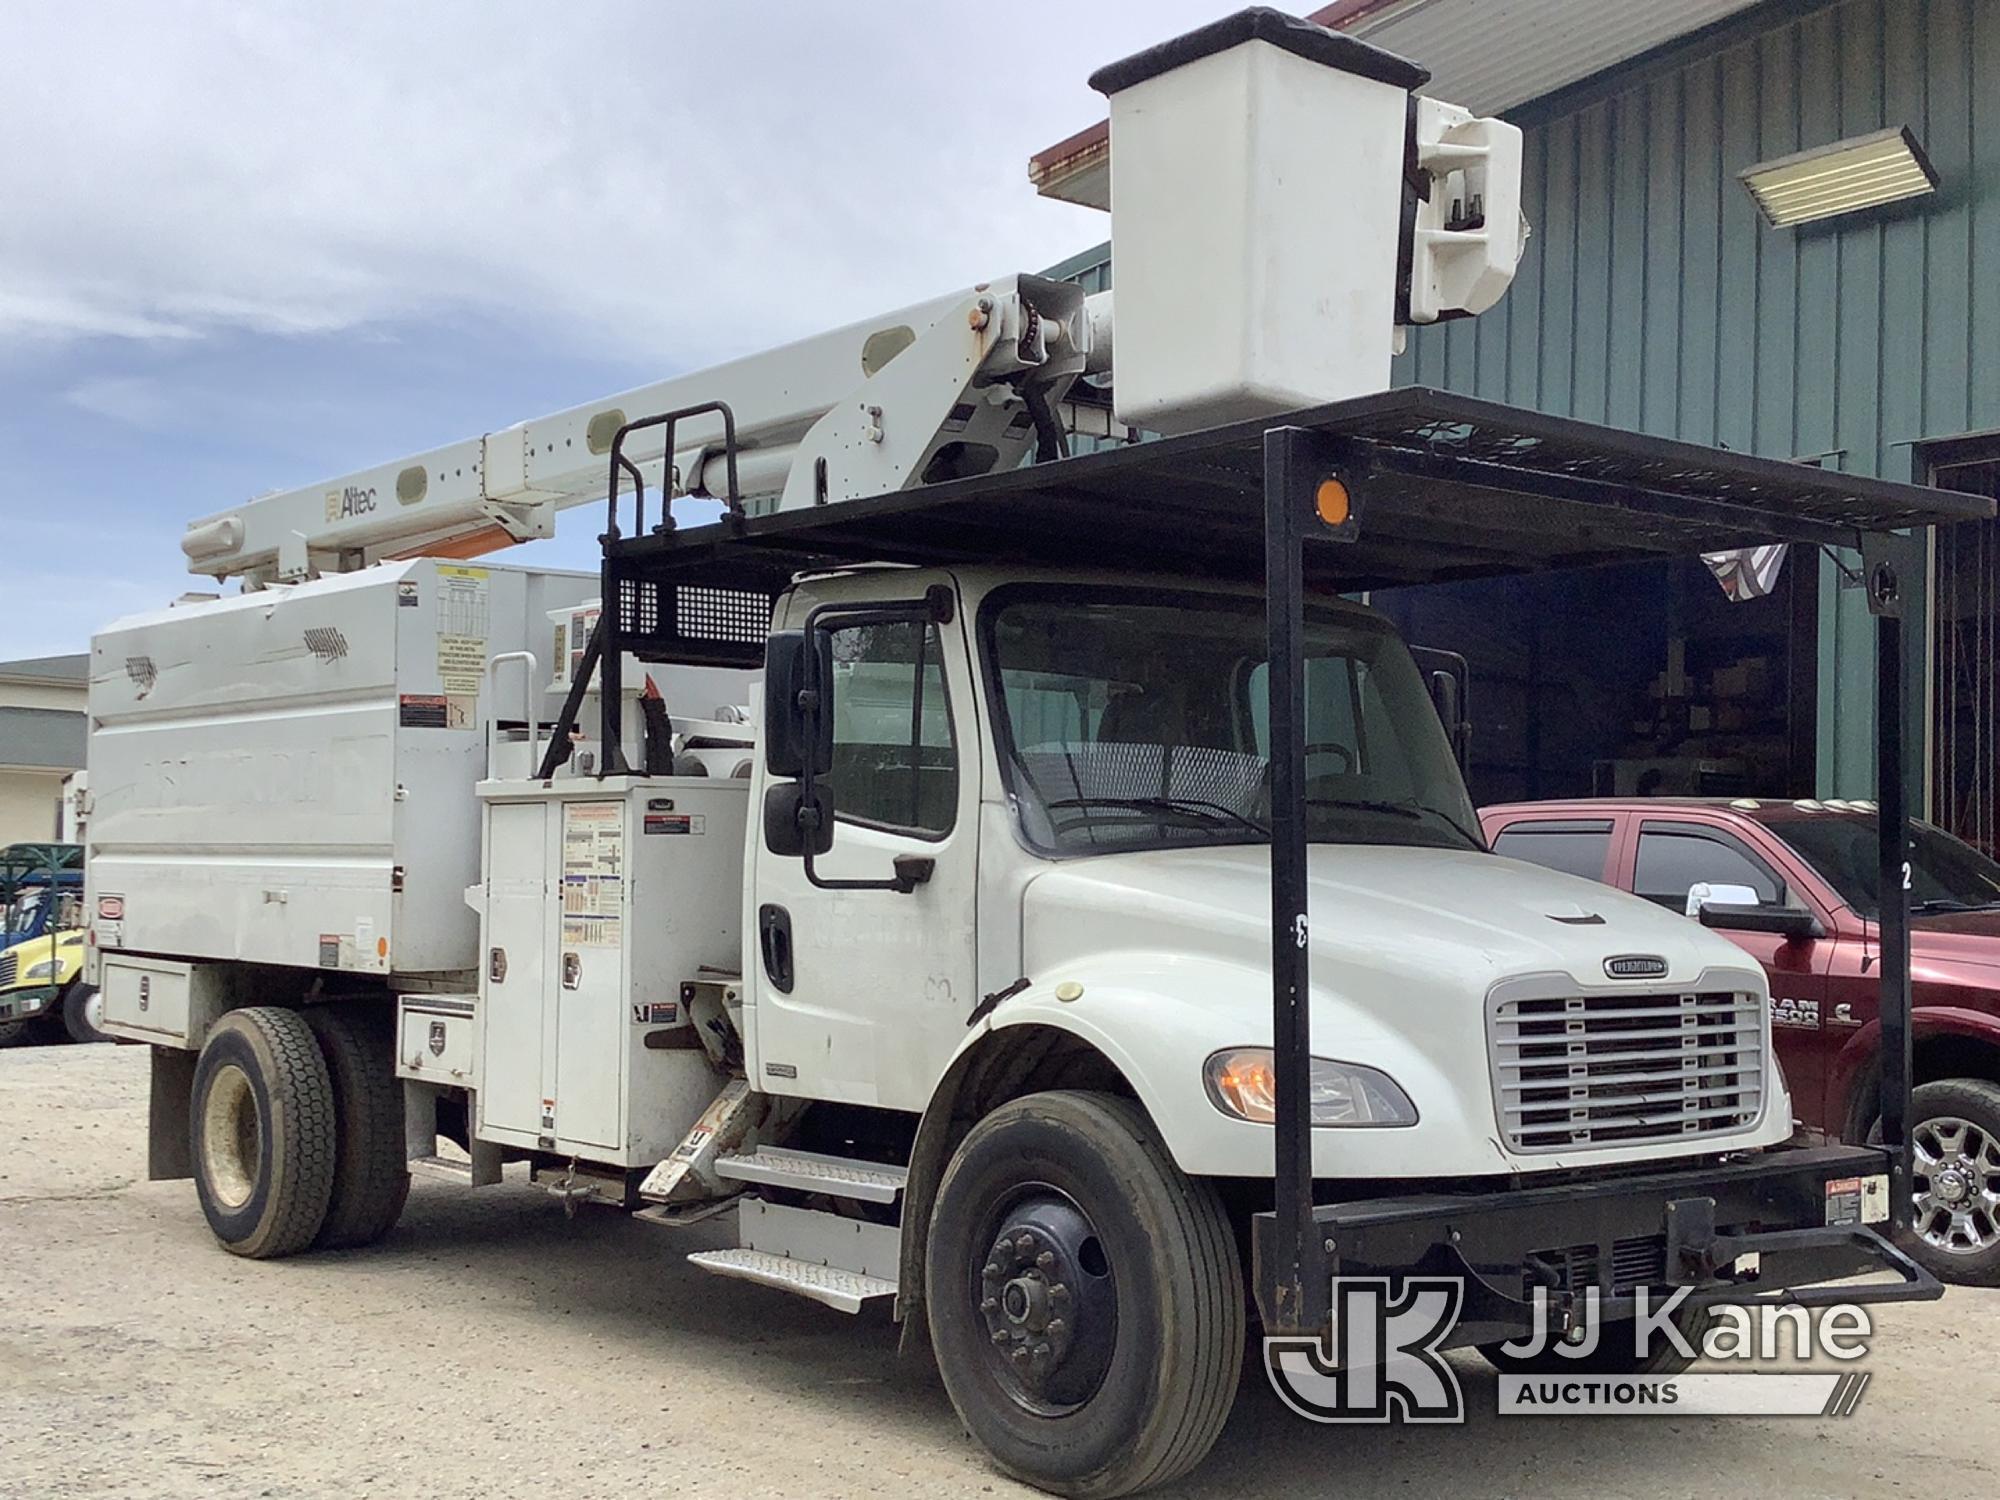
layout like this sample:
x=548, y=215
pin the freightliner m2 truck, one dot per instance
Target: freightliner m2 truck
x=1083, y=942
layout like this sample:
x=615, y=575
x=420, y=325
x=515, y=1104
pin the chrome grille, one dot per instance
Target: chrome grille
x=1600, y=1070
x=10, y=968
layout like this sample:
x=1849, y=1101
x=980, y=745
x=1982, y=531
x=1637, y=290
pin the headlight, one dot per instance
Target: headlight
x=44, y=970
x=1241, y=1082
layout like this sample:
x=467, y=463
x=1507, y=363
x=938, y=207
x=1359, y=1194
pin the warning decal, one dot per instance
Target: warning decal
x=593, y=873
x=462, y=624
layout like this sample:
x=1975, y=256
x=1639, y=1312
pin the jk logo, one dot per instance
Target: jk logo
x=1380, y=1362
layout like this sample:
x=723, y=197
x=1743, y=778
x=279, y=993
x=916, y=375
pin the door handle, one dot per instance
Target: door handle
x=774, y=940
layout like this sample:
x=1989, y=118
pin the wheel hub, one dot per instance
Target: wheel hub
x=1046, y=1297
x=1957, y=1185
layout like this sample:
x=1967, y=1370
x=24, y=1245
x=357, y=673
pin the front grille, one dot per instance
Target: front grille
x=10, y=969
x=1600, y=1070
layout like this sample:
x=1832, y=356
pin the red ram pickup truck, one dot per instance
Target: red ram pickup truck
x=1795, y=884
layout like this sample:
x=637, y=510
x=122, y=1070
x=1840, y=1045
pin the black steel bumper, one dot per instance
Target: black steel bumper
x=1750, y=1230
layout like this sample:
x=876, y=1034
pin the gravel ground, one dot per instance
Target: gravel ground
x=491, y=1347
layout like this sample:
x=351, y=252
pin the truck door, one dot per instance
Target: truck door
x=862, y=994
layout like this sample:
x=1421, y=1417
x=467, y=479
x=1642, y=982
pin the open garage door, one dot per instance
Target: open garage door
x=1965, y=636
x=1637, y=680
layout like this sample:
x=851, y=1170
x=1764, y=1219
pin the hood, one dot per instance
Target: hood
x=1459, y=918
x=1965, y=937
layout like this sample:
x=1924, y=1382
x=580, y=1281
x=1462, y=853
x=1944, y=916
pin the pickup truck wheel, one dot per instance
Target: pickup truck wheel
x=261, y=1127
x=1084, y=1295
x=371, y=1174
x=82, y=1010
x=1955, y=1180
x=1615, y=1353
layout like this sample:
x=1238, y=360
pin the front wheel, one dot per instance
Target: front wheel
x=13, y=1033
x=1955, y=1180
x=83, y=1013
x=1084, y=1295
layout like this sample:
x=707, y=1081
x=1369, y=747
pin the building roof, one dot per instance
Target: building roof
x=1487, y=55
x=42, y=738
x=62, y=670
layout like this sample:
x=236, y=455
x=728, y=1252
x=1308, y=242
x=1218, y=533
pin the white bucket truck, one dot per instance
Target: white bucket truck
x=1096, y=949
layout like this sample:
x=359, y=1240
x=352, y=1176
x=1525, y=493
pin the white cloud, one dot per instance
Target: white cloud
x=668, y=182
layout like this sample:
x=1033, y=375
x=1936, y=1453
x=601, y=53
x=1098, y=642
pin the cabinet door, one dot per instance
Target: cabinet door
x=589, y=979
x=513, y=950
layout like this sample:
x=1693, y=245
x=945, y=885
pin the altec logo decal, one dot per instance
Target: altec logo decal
x=352, y=501
x=1636, y=966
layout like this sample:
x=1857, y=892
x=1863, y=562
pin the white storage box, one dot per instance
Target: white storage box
x=1256, y=210
x=286, y=777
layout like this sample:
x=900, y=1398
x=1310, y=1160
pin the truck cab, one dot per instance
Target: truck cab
x=1077, y=763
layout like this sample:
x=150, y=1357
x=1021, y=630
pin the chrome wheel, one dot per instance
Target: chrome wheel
x=1955, y=1171
x=93, y=1010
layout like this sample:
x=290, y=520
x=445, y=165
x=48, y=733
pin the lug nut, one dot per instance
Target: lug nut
x=1057, y=1327
x=1024, y=1243
x=999, y=1335
x=989, y=1304
x=1046, y=1259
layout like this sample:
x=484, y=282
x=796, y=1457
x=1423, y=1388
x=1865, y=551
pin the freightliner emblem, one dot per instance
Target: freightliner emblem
x=1636, y=966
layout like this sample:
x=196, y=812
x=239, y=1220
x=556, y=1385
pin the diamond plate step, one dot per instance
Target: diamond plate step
x=810, y=1172
x=849, y=1291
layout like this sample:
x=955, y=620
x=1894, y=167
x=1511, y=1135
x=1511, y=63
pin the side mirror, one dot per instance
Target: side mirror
x=1701, y=894
x=1444, y=695
x=1784, y=921
x=789, y=725
x=794, y=824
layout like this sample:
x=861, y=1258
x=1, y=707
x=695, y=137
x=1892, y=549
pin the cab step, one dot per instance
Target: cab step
x=810, y=1172
x=848, y=1291
x=841, y=1261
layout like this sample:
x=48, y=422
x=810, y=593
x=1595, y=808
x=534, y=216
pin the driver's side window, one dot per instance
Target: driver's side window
x=895, y=757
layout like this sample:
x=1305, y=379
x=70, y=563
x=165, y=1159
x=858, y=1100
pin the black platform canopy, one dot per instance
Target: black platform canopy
x=1407, y=487
x=1445, y=487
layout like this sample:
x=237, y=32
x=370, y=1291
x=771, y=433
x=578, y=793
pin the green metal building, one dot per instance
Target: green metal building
x=1655, y=295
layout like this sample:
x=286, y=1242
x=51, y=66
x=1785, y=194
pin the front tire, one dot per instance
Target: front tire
x=1955, y=1178
x=261, y=1127
x=82, y=1010
x=1084, y=1295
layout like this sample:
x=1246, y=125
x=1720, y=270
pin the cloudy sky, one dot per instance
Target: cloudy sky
x=244, y=248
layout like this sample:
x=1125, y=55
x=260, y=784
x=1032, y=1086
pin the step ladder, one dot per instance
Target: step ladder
x=842, y=1262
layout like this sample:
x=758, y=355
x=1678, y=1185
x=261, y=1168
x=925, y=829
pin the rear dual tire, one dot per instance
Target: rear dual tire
x=295, y=1123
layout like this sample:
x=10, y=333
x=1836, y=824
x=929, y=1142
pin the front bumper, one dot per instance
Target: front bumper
x=24, y=1004
x=1764, y=1228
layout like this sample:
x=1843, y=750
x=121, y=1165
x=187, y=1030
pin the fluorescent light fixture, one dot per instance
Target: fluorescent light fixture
x=1863, y=171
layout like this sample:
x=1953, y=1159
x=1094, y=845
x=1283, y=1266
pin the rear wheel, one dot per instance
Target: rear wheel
x=83, y=1013
x=1084, y=1295
x=371, y=1177
x=261, y=1128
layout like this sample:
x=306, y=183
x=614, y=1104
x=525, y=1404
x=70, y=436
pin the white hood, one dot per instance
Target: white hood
x=1407, y=944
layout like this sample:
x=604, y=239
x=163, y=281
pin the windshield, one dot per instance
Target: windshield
x=20, y=915
x=1137, y=721
x=1946, y=875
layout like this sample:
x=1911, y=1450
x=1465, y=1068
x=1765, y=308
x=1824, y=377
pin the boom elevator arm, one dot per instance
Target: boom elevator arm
x=945, y=388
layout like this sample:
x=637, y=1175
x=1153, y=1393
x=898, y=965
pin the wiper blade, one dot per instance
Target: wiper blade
x=1939, y=906
x=1213, y=812
x=1416, y=812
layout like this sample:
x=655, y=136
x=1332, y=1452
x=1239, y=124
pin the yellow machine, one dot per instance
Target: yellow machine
x=42, y=992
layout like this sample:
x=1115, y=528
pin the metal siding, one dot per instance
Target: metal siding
x=1653, y=296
